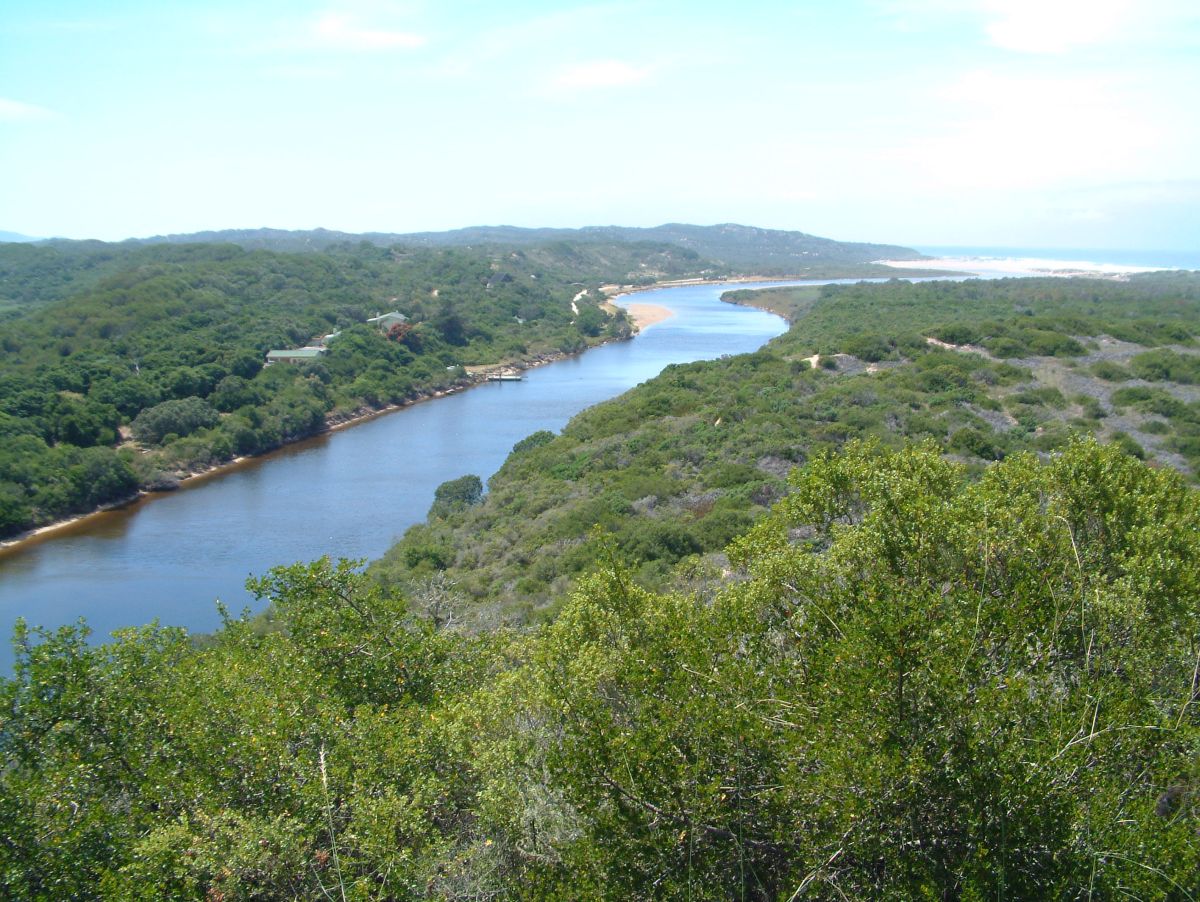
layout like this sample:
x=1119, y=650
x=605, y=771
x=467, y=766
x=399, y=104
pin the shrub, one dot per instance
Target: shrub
x=181, y=417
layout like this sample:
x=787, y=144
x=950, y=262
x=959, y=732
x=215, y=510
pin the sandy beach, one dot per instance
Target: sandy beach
x=646, y=315
x=1021, y=266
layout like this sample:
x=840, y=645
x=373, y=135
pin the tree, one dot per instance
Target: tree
x=83, y=422
x=179, y=417
x=456, y=494
x=590, y=321
x=926, y=687
x=451, y=324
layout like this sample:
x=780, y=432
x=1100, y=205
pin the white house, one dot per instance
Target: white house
x=385, y=321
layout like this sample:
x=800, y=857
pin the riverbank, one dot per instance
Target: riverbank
x=350, y=495
x=786, y=301
x=915, y=269
x=335, y=421
x=642, y=316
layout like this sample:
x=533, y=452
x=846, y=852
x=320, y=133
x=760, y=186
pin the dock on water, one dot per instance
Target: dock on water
x=495, y=373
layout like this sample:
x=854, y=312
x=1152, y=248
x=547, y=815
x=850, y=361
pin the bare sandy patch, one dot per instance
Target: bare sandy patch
x=646, y=315
x=1022, y=266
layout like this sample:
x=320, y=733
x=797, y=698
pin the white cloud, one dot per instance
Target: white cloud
x=338, y=31
x=600, y=74
x=1047, y=26
x=1056, y=26
x=1004, y=132
x=16, y=111
x=566, y=29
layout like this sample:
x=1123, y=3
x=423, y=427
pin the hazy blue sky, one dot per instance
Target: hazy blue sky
x=1061, y=123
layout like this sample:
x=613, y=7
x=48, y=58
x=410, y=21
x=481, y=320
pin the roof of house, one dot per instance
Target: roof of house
x=394, y=316
x=296, y=354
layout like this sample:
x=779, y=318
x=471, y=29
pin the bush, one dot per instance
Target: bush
x=536, y=440
x=181, y=417
x=1126, y=443
x=975, y=442
x=1110, y=372
x=456, y=494
x=1166, y=366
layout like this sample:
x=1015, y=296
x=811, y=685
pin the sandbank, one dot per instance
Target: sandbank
x=646, y=315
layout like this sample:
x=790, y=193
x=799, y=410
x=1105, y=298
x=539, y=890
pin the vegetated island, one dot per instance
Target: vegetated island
x=893, y=625
x=128, y=367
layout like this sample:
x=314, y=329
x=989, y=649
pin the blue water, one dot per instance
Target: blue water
x=347, y=494
x=1161, y=259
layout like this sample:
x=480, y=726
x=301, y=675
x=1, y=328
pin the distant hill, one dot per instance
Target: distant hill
x=272, y=239
x=15, y=238
x=731, y=245
x=736, y=245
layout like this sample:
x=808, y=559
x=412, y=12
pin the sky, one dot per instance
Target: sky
x=1031, y=123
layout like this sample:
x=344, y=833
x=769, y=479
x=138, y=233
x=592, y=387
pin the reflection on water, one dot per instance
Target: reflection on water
x=346, y=494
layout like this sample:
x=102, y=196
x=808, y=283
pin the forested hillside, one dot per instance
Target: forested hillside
x=39, y=273
x=913, y=684
x=128, y=366
x=678, y=467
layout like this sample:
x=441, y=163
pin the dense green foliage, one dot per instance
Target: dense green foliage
x=916, y=685
x=676, y=468
x=456, y=494
x=1011, y=318
x=35, y=274
x=170, y=341
x=181, y=416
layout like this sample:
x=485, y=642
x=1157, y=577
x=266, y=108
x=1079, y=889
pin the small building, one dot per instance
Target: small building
x=295, y=355
x=385, y=321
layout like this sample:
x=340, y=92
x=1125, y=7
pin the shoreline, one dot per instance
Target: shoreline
x=921, y=268
x=333, y=423
x=651, y=314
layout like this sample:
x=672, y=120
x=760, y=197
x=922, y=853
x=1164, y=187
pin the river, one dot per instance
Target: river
x=349, y=493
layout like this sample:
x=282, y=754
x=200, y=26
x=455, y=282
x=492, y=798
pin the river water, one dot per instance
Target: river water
x=346, y=494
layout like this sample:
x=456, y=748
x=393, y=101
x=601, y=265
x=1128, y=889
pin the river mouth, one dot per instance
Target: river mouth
x=346, y=493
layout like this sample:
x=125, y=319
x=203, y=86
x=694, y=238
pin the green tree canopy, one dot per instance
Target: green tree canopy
x=180, y=417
